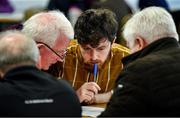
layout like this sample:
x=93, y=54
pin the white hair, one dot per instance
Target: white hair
x=47, y=27
x=17, y=48
x=151, y=23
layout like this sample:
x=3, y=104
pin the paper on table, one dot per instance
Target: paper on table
x=91, y=111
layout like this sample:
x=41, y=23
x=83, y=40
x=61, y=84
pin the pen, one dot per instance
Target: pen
x=95, y=68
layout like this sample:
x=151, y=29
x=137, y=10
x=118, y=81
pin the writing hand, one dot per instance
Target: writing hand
x=87, y=91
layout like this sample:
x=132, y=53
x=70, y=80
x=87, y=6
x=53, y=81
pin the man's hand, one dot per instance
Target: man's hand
x=101, y=98
x=87, y=91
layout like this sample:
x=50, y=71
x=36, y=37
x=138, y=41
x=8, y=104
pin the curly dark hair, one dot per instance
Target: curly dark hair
x=95, y=24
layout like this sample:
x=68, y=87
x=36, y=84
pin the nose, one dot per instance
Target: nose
x=94, y=55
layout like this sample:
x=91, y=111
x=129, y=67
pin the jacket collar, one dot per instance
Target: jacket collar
x=158, y=45
x=19, y=70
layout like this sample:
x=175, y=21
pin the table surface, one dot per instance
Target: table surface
x=102, y=105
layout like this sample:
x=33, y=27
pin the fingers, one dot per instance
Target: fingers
x=92, y=86
x=84, y=94
x=88, y=96
x=87, y=91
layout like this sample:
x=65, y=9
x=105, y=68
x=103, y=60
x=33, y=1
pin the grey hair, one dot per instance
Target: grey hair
x=47, y=27
x=151, y=23
x=17, y=48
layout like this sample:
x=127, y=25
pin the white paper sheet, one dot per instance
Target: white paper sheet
x=91, y=111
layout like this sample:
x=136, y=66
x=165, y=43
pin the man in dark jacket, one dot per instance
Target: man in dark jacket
x=24, y=89
x=149, y=84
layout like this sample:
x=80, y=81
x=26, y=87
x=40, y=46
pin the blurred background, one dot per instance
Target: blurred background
x=15, y=12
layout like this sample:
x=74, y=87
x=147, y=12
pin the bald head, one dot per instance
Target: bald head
x=16, y=48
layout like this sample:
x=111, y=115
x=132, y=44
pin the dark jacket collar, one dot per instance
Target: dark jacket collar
x=158, y=45
x=25, y=70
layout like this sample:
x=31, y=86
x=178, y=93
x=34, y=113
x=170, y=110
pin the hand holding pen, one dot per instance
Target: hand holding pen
x=87, y=91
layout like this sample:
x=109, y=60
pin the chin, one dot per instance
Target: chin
x=92, y=63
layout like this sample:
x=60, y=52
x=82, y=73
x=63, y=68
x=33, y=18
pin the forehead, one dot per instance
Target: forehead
x=103, y=42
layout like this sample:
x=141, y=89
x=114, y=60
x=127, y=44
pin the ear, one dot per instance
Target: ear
x=140, y=42
x=39, y=64
x=41, y=48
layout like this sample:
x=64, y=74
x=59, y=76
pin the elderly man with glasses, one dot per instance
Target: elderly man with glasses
x=52, y=33
x=25, y=91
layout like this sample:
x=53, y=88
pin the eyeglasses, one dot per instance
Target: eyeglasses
x=61, y=54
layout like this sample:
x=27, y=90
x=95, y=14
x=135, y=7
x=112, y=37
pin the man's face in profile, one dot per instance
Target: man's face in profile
x=54, y=54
